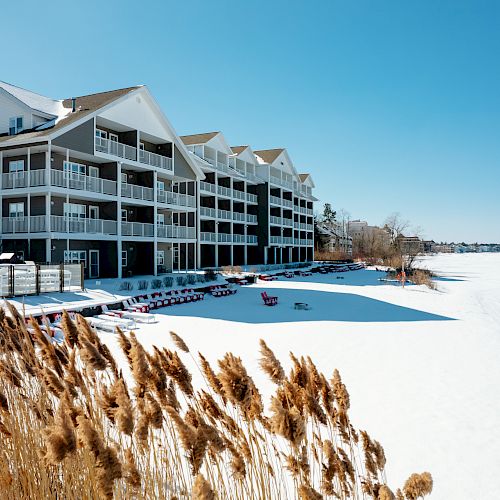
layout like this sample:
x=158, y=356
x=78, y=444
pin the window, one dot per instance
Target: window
x=141, y=146
x=113, y=137
x=124, y=215
x=73, y=170
x=175, y=253
x=74, y=211
x=160, y=185
x=160, y=219
x=160, y=258
x=124, y=177
x=75, y=257
x=15, y=125
x=16, y=210
x=124, y=258
x=16, y=166
x=102, y=134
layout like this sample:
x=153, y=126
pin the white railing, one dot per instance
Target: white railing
x=115, y=148
x=208, y=212
x=251, y=198
x=239, y=238
x=281, y=182
x=61, y=224
x=239, y=217
x=287, y=240
x=275, y=240
x=138, y=229
x=206, y=186
x=82, y=182
x=275, y=200
x=171, y=231
x=252, y=218
x=208, y=237
x=275, y=220
x=171, y=198
x=287, y=203
x=224, y=214
x=240, y=195
x=32, y=224
x=251, y=238
x=137, y=192
x=224, y=237
x=287, y=222
x=224, y=191
x=155, y=160
x=15, y=180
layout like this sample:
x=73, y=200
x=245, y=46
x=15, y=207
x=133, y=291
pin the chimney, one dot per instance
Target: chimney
x=73, y=104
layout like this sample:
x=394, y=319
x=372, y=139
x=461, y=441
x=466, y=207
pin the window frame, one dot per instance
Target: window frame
x=75, y=257
x=17, y=212
x=14, y=127
x=160, y=257
x=74, y=214
x=124, y=259
x=16, y=162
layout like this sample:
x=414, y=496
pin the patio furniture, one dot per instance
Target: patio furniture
x=288, y=275
x=301, y=306
x=268, y=277
x=269, y=300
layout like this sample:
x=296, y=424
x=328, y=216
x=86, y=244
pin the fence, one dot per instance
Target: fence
x=33, y=279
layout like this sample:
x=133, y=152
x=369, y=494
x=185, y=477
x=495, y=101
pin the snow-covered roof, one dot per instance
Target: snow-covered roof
x=35, y=101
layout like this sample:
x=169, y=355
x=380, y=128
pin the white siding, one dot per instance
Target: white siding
x=10, y=107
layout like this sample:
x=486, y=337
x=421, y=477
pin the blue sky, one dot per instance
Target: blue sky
x=392, y=106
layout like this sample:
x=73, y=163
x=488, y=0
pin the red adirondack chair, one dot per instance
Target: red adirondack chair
x=269, y=301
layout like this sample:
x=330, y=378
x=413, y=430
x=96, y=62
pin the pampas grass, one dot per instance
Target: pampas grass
x=71, y=427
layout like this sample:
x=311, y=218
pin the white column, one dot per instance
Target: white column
x=48, y=196
x=155, y=215
x=119, y=219
x=198, y=225
x=245, y=230
x=231, y=223
x=216, y=219
x=1, y=191
x=28, y=203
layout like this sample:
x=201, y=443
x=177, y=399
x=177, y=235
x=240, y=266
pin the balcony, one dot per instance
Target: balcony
x=127, y=152
x=115, y=148
x=275, y=220
x=287, y=240
x=171, y=198
x=138, y=229
x=275, y=240
x=251, y=238
x=275, y=200
x=155, y=160
x=287, y=203
x=224, y=191
x=239, y=195
x=32, y=224
x=281, y=182
x=252, y=219
x=208, y=212
x=239, y=217
x=137, y=192
x=224, y=214
x=227, y=238
x=82, y=182
x=208, y=237
x=61, y=224
x=207, y=187
x=251, y=198
x=15, y=180
x=176, y=232
x=287, y=222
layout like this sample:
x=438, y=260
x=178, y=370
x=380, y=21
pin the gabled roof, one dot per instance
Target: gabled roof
x=269, y=155
x=198, y=138
x=238, y=149
x=34, y=101
x=85, y=105
x=303, y=177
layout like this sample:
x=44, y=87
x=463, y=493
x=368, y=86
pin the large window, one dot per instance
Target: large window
x=75, y=257
x=73, y=169
x=15, y=125
x=74, y=211
x=160, y=258
x=160, y=219
x=102, y=134
x=16, y=166
x=124, y=258
x=16, y=210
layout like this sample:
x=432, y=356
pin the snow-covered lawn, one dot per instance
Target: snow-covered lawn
x=422, y=366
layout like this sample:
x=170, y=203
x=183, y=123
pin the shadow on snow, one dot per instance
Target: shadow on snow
x=247, y=307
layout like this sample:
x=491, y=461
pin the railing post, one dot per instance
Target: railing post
x=37, y=278
x=61, y=277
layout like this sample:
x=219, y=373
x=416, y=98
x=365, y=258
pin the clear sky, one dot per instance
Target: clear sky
x=392, y=106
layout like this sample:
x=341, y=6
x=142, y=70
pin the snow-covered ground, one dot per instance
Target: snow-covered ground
x=422, y=366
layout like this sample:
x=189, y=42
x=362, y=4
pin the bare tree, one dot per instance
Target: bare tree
x=396, y=225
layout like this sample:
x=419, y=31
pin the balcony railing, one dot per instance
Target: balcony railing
x=275, y=200
x=14, y=180
x=287, y=222
x=251, y=198
x=208, y=212
x=251, y=238
x=252, y=218
x=286, y=240
x=207, y=187
x=275, y=220
x=239, y=217
x=174, y=232
x=82, y=182
x=139, y=229
x=155, y=160
x=239, y=195
x=171, y=198
x=281, y=182
x=287, y=203
x=61, y=224
x=224, y=238
x=224, y=214
x=32, y=224
x=208, y=237
x=275, y=240
x=137, y=192
x=224, y=191
x=115, y=148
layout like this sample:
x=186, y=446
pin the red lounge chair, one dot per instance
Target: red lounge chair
x=269, y=301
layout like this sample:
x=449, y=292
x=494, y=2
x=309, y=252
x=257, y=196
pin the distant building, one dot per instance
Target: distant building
x=334, y=237
x=411, y=245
